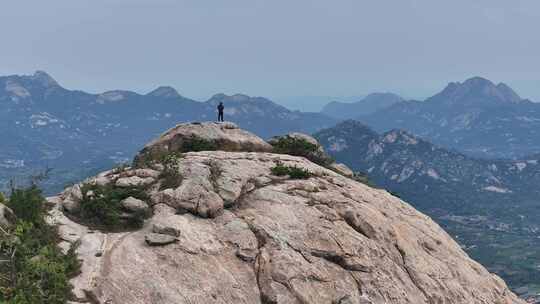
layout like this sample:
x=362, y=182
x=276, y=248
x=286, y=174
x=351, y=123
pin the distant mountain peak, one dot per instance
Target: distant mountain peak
x=235, y=97
x=400, y=136
x=368, y=105
x=44, y=79
x=477, y=90
x=352, y=123
x=165, y=92
x=508, y=93
x=219, y=96
x=381, y=95
x=113, y=96
x=240, y=97
x=21, y=87
x=478, y=81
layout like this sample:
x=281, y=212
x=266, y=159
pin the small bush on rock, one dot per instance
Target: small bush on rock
x=280, y=169
x=101, y=206
x=293, y=172
x=197, y=144
x=33, y=268
x=299, y=173
x=148, y=156
x=170, y=176
x=28, y=204
x=300, y=147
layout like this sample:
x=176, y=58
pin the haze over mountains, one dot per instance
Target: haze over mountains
x=44, y=124
x=368, y=105
x=311, y=103
x=476, y=117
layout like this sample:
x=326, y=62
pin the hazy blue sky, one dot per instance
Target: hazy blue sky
x=274, y=48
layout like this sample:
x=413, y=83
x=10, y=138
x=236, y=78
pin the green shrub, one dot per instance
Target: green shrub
x=293, y=146
x=170, y=176
x=299, y=173
x=34, y=270
x=293, y=172
x=197, y=144
x=280, y=170
x=100, y=206
x=149, y=156
x=27, y=204
x=300, y=147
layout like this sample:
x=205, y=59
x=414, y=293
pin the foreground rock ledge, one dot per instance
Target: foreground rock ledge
x=327, y=239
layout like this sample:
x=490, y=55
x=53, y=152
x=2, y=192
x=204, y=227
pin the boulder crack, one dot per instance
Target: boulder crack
x=402, y=254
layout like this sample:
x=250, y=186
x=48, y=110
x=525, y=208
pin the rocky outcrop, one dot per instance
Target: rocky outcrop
x=298, y=136
x=232, y=232
x=7, y=217
x=224, y=136
x=157, y=239
x=134, y=205
x=301, y=145
x=307, y=146
x=71, y=198
x=342, y=169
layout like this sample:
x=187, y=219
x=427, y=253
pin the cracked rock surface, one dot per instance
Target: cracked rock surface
x=242, y=235
x=327, y=239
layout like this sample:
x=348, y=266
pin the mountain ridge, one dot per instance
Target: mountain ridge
x=475, y=89
x=475, y=117
x=367, y=105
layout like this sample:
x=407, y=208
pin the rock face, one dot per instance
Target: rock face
x=134, y=205
x=342, y=169
x=7, y=218
x=157, y=239
x=234, y=233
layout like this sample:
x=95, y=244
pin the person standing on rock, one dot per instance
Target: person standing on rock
x=220, y=109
